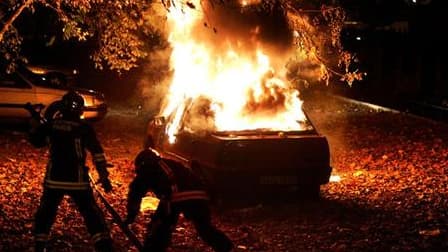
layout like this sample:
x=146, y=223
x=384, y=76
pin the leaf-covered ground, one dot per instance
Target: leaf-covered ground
x=392, y=195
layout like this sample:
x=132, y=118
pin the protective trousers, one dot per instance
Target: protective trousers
x=165, y=219
x=87, y=206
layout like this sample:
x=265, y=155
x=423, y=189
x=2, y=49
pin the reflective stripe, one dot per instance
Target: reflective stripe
x=62, y=127
x=41, y=237
x=78, y=148
x=189, y=195
x=100, y=236
x=66, y=122
x=66, y=185
x=99, y=157
x=80, y=156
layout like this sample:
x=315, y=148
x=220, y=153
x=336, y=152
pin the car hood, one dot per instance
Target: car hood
x=82, y=91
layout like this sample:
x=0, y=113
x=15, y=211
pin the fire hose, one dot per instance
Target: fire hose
x=116, y=217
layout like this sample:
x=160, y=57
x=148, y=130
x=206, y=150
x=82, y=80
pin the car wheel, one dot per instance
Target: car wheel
x=53, y=111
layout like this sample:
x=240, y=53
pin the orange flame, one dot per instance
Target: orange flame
x=227, y=88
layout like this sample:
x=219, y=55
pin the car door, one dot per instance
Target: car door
x=47, y=96
x=15, y=92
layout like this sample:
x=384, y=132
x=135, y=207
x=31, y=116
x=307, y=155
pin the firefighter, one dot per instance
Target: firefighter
x=179, y=191
x=68, y=137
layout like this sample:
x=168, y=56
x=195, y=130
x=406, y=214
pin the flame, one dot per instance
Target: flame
x=225, y=88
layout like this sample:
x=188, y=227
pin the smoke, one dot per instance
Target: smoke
x=154, y=84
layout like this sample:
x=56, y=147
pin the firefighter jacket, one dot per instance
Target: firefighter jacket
x=168, y=179
x=68, y=140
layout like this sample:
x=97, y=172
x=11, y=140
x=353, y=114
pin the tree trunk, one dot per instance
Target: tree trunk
x=14, y=17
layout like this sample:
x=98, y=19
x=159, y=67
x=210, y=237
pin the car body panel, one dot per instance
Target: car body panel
x=16, y=90
x=13, y=92
x=48, y=96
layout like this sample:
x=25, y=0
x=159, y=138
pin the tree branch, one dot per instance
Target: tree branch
x=14, y=17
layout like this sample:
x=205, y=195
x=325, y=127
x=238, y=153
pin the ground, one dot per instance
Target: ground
x=392, y=195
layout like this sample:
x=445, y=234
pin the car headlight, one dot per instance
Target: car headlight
x=92, y=100
x=88, y=101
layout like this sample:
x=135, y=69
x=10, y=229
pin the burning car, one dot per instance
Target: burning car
x=248, y=162
x=232, y=109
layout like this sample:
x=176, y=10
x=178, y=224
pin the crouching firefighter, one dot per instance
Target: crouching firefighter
x=179, y=191
x=68, y=137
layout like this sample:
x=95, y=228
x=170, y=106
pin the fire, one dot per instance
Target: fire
x=228, y=84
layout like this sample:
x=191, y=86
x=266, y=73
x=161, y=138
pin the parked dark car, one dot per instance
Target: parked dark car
x=251, y=163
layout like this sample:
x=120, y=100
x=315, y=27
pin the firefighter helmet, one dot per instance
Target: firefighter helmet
x=72, y=104
x=146, y=158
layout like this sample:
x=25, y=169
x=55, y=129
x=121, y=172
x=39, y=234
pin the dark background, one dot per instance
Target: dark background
x=406, y=68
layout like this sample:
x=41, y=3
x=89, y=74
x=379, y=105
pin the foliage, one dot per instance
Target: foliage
x=10, y=49
x=315, y=27
x=117, y=27
x=317, y=39
x=125, y=32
